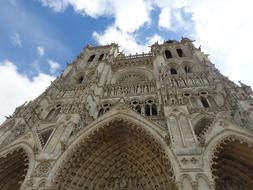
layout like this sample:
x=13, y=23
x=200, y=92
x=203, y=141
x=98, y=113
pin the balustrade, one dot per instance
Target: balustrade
x=123, y=89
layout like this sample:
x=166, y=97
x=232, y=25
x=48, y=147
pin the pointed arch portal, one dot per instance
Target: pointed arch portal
x=118, y=156
x=13, y=169
x=234, y=166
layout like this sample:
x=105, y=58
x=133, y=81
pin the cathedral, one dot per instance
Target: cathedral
x=163, y=120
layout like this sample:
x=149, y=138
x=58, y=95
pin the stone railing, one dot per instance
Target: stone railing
x=186, y=81
x=133, y=60
x=122, y=89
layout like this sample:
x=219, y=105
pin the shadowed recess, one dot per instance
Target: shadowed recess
x=117, y=156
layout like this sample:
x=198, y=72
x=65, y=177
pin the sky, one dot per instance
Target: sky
x=39, y=37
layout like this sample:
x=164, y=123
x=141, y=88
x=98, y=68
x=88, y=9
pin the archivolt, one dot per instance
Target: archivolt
x=13, y=169
x=232, y=163
x=117, y=156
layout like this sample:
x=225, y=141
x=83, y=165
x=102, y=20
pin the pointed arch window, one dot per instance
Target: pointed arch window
x=101, y=57
x=154, y=109
x=180, y=52
x=187, y=69
x=147, y=110
x=150, y=108
x=168, y=54
x=204, y=102
x=91, y=58
x=173, y=71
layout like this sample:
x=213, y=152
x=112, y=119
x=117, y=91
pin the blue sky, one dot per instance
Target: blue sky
x=38, y=37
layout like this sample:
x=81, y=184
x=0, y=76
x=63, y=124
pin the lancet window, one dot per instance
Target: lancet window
x=168, y=54
x=204, y=102
x=180, y=52
x=173, y=71
x=187, y=69
x=101, y=57
x=150, y=108
x=54, y=112
x=91, y=58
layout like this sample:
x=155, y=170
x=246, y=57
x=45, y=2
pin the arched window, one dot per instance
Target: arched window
x=150, y=108
x=50, y=114
x=187, y=69
x=138, y=108
x=53, y=114
x=101, y=57
x=91, y=58
x=204, y=102
x=147, y=110
x=168, y=54
x=154, y=109
x=180, y=52
x=173, y=71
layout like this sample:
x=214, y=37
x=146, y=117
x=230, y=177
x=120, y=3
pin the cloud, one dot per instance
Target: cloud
x=127, y=41
x=19, y=87
x=56, y=5
x=40, y=51
x=53, y=65
x=165, y=18
x=129, y=15
x=223, y=28
x=15, y=39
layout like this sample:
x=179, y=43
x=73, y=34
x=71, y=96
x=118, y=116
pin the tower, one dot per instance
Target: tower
x=163, y=120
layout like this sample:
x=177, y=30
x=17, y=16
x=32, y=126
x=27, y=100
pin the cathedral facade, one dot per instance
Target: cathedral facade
x=163, y=120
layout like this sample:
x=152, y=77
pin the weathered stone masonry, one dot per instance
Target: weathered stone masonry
x=163, y=120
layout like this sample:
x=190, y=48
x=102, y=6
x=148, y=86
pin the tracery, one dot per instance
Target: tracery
x=234, y=169
x=117, y=156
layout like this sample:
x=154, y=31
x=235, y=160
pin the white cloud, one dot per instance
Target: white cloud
x=53, y=65
x=223, y=27
x=165, y=18
x=19, y=88
x=129, y=15
x=40, y=51
x=56, y=5
x=127, y=41
x=153, y=39
x=15, y=39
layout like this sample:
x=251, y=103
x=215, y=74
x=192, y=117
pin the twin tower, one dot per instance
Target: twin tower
x=163, y=120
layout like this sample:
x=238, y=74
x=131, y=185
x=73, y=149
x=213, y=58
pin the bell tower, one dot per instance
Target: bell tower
x=162, y=120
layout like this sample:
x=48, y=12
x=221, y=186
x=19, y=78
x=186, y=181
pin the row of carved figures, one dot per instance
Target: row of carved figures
x=128, y=89
x=182, y=82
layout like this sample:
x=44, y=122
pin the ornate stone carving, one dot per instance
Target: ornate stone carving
x=42, y=169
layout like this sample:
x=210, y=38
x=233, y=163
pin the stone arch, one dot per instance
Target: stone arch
x=188, y=66
x=201, y=126
x=16, y=166
x=118, y=153
x=230, y=161
x=186, y=182
x=144, y=74
x=202, y=182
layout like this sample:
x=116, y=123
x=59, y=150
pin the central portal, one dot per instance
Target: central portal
x=120, y=156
